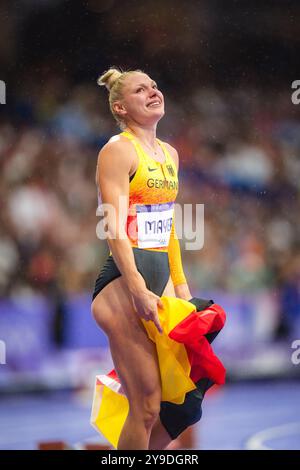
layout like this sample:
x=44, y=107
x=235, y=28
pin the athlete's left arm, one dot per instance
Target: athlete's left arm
x=176, y=270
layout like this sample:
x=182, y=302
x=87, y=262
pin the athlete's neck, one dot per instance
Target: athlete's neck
x=144, y=134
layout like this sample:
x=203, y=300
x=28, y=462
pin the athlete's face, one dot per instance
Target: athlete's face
x=142, y=101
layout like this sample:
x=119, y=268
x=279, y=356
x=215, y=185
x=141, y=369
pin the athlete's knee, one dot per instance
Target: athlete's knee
x=150, y=408
x=147, y=408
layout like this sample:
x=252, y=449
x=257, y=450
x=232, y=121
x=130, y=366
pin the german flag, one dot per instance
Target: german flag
x=185, y=357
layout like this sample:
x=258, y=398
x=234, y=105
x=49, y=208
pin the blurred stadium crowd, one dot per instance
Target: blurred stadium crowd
x=226, y=72
x=239, y=156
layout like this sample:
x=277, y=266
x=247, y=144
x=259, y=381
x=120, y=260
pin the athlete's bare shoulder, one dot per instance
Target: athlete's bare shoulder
x=117, y=155
x=118, y=143
x=173, y=152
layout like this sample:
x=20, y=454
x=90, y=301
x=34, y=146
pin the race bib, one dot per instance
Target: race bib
x=154, y=222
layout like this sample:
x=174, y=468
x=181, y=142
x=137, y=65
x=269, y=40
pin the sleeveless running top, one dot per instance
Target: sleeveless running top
x=152, y=193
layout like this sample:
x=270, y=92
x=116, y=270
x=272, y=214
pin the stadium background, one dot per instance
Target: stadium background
x=226, y=69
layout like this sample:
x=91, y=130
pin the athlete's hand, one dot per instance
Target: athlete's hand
x=146, y=303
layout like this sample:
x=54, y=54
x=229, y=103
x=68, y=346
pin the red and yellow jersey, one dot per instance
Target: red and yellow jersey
x=152, y=193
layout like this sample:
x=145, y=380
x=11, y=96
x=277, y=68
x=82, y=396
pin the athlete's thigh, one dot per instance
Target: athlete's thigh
x=133, y=353
x=169, y=289
x=114, y=311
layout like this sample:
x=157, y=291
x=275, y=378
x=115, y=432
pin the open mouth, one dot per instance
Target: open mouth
x=154, y=104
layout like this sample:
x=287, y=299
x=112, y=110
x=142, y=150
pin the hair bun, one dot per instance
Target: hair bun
x=109, y=78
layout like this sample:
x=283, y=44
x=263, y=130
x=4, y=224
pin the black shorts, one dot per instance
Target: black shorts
x=154, y=267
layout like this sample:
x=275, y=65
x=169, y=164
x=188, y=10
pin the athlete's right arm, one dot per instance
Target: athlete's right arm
x=114, y=164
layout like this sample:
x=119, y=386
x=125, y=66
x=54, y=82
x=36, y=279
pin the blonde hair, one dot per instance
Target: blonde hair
x=113, y=79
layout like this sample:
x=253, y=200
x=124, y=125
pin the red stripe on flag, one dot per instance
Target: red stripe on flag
x=191, y=332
